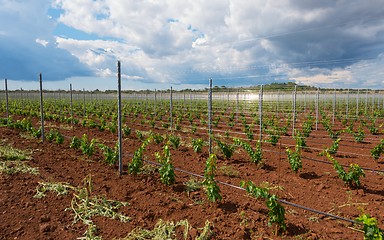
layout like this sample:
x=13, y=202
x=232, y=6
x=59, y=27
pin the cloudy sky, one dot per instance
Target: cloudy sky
x=328, y=43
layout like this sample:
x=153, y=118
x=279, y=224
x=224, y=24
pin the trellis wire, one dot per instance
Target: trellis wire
x=305, y=157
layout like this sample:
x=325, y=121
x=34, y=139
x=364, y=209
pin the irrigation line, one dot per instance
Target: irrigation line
x=310, y=148
x=308, y=158
x=318, y=149
x=278, y=199
x=319, y=212
x=326, y=162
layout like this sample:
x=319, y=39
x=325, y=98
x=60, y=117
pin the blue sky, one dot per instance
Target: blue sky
x=329, y=43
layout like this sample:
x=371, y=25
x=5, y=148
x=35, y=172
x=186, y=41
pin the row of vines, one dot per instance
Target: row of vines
x=282, y=128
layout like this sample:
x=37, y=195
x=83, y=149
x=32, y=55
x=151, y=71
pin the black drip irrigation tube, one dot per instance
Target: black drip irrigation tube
x=278, y=199
x=308, y=158
x=326, y=162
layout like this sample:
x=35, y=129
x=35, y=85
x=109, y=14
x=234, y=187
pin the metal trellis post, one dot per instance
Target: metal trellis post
x=347, y=106
x=119, y=132
x=84, y=110
x=294, y=111
x=71, y=102
x=6, y=101
x=357, y=102
x=41, y=107
x=210, y=116
x=334, y=107
x=261, y=112
x=155, y=102
x=171, y=108
x=317, y=108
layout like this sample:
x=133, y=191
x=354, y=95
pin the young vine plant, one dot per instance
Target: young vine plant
x=300, y=140
x=87, y=147
x=211, y=187
x=350, y=178
x=137, y=161
x=256, y=154
x=197, y=144
x=371, y=230
x=294, y=159
x=226, y=149
x=276, y=211
x=55, y=135
x=174, y=141
x=111, y=155
x=378, y=150
x=332, y=149
x=166, y=170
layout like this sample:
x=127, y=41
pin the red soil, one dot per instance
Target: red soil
x=237, y=216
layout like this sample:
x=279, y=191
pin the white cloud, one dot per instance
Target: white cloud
x=363, y=74
x=27, y=45
x=42, y=42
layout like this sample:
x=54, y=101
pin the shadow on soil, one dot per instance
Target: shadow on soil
x=229, y=207
x=309, y=175
x=371, y=191
x=269, y=168
x=294, y=230
x=240, y=162
x=179, y=188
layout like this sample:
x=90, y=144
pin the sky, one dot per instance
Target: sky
x=328, y=43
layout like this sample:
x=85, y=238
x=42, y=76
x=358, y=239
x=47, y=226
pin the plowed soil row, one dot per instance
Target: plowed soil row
x=237, y=216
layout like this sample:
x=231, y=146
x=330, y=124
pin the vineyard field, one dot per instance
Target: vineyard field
x=316, y=156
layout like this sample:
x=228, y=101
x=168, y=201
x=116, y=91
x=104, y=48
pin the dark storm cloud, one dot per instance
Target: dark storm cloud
x=343, y=30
